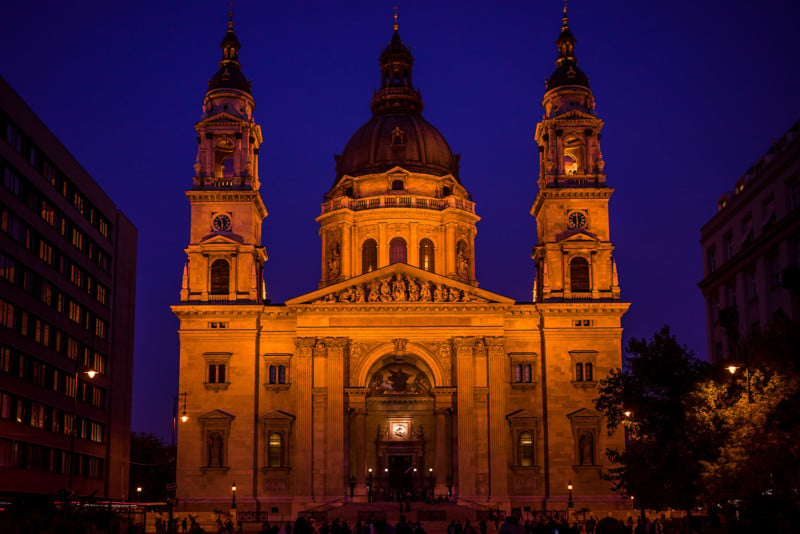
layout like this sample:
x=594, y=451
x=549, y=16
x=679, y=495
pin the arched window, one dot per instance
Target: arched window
x=220, y=278
x=579, y=372
x=525, y=449
x=397, y=250
x=275, y=450
x=426, y=260
x=579, y=274
x=369, y=256
x=397, y=185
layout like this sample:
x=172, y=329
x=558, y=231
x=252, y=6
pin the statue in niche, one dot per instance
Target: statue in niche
x=215, y=449
x=462, y=262
x=586, y=448
x=425, y=292
x=413, y=291
x=333, y=262
x=399, y=289
x=374, y=291
x=439, y=293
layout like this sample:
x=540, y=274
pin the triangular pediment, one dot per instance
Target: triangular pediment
x=220, y=118
x=400, y=283
x=583, y=412
x=576, y=234
x=277, y=416
x=217, y=414
x=577, y=114
x=222, y=239
x=521, y=415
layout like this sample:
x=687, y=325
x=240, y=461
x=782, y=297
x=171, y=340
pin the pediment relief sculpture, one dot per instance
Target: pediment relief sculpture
x=400, y=287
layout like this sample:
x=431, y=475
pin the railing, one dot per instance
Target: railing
x=218, y=298
x=398, y=201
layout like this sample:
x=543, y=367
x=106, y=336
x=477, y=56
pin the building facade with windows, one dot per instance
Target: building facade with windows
x=67, y=280
x=751, y=250
x=398, y=374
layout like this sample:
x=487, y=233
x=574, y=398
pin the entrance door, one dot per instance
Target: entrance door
x=400, y=475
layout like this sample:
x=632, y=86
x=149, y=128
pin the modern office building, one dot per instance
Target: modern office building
x=397, y=374
x=67, y=280
x=751, y=249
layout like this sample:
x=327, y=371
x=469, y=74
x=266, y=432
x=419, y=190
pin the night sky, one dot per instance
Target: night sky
x=692, y=93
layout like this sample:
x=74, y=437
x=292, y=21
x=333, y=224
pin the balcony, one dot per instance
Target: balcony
x=398, y=201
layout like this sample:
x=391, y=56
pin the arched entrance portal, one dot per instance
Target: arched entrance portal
x=400, y=406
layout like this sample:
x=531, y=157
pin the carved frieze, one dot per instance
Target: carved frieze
x=400, y=288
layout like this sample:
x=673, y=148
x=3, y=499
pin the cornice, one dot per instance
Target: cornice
x=391, y=307
x=592, y=308
x=217, y=310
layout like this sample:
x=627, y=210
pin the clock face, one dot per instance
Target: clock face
x=576, y=219
x=222, y=223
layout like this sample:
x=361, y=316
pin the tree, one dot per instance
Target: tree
x=660, y=465
x=750, y=422
x=152, y=461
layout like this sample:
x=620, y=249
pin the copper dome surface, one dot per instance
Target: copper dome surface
x=390, y=140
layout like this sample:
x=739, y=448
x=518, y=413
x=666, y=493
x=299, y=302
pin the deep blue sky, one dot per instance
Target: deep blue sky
x=692, y=93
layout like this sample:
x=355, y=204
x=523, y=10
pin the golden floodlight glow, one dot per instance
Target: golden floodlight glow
x=731, y=369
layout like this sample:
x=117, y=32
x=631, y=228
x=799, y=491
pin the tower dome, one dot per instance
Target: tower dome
x=229, y=75
x=567, y=72
x=397, y=135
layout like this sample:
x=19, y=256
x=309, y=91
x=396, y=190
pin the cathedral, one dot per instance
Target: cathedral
x=398, y=375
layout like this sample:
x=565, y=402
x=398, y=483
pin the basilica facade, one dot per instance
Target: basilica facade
x=398, y=375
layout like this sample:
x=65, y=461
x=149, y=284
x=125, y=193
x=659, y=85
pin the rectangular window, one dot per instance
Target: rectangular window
x=8, y=314
x=8, y=268
x=102, y=294
x=747, y=229
x=711, y=259
x=728, y=246
x=77, y=238
x=75, y=311
x=100, y=328
x=14, y=137
x=45, y=252
x=12, y=182
x=750, y=285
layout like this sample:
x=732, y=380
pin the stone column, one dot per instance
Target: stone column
x=498, y=428
x=301, y=389
x=336, y=453
x=465, y=374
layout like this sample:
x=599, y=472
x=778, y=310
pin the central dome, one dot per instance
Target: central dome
x=397, y=135
x=404, y=140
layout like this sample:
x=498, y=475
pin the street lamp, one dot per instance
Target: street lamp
x=569, y=487
x=138, y=494
x=74, y=429
x=233, y=501
x=732, y=370
x=369, y=485
x=433, y=487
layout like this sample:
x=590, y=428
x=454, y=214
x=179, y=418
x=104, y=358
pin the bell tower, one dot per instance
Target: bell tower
x=574, y=253
x=225, y=257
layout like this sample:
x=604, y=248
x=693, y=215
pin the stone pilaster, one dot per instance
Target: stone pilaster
x=302, y=391
x=465, y=382
x=334, y=428
x=498, y=428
